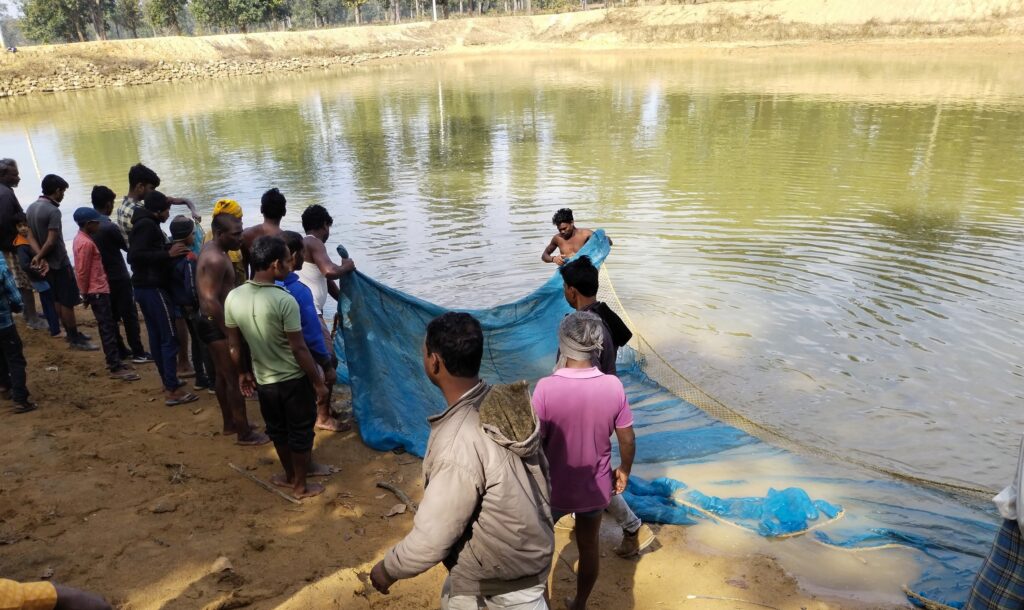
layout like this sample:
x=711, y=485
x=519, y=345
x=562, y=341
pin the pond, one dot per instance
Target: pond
x=831, y=246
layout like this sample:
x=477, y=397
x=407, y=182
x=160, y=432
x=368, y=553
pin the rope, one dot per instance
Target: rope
x=656, y=367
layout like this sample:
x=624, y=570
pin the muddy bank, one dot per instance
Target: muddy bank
x=710, y=26
x=104, y=487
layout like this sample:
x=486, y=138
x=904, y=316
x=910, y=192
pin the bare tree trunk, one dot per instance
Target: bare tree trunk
x=398, y=11
x=357, y=15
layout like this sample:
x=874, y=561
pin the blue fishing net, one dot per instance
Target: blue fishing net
x=379, y=344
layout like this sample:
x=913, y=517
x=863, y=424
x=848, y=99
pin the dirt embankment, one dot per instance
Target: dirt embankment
x=106, y=488
x=710, y=24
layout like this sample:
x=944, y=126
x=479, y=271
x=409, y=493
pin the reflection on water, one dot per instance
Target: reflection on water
x=833, y=247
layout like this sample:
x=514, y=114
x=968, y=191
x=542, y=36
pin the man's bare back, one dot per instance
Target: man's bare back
x=251, y=234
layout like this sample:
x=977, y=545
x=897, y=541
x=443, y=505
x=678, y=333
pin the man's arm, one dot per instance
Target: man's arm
x=546, y=256
x=333, y=290
x=240, y=358
x=187, y=203
x=324, y=263
x=52, y=236
x=9, y=289
x=627, y=451
x=448, y=504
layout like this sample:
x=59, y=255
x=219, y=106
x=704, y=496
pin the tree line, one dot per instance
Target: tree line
x=54, y=21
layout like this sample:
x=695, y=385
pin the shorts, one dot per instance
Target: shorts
x=65, y=288
x=329, y=343
x=207, y=329
x=21, y=279
x=289, y=410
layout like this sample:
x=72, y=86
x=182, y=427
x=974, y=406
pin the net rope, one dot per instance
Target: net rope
x=658, y=369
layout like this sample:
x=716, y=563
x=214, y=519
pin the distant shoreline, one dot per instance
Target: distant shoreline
x=716, y=28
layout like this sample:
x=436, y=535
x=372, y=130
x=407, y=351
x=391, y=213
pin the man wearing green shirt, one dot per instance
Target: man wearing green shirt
x=264, y=327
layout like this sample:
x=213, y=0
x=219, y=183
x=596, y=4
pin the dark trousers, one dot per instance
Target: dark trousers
x=158, y=313
x=50, y=311
x=123, y=303
x=104, y=314
x=12, y=363
x=289, y=410
x=201, y=360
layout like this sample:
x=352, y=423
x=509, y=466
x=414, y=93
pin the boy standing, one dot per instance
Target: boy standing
x=12, y=358
x=111, y=243
x=92, y=282
x=263, y=322
x=44, y=221
x=185, y=297
x=24, y=252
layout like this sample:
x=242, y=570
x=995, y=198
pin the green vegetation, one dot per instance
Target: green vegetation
x=54, y=21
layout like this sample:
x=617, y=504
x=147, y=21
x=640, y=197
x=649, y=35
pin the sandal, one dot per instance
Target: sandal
x=25, y=407
x=125, y=375
x=187, y=398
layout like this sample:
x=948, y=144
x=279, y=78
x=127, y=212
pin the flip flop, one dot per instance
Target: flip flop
x=187, y=398
x=26, y=407
x=125, y=376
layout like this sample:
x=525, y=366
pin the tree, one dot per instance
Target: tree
x=165, y=14
x=54, y=20
x=242, y=14
x=128, y=14
x=98, y=10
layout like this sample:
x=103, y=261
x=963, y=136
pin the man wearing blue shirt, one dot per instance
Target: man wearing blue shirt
x=311, y=330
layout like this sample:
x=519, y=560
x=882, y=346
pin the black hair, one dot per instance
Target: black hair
x=265, y=251
x=315, y=217
x=140, y=174
x=458, y=339
x=222, y=222
x=53, y=183
x=19, y=218
x=272, y=204
x=156, y=202
x=293, y=240
x=563, y=215
x=582, y=275
x=101, y=196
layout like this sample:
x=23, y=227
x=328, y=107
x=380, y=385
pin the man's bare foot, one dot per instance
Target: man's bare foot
x=308, y=491
x=230, y=430
x=332, y=425
x=253, y=439
x=281, y=480
x=322, y=470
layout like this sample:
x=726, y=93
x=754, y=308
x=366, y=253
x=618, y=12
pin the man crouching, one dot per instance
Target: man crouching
x=486, y=501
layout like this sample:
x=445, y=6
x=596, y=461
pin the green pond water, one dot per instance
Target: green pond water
x=832, y=246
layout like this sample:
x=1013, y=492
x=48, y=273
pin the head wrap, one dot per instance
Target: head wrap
x=227, y=206
x=580, y=337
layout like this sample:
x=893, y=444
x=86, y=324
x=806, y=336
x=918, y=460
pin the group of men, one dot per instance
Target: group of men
x=501, y=467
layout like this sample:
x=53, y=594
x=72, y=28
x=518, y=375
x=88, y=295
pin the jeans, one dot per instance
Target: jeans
x=104, y=315
x=201, y=360
x=125, y=312
x=623, y=515
x=531, y=598
x=12, y=364
x=163, y=339
x=50, y=311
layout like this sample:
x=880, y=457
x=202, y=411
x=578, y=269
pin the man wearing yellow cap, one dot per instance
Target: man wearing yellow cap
x=230, y=206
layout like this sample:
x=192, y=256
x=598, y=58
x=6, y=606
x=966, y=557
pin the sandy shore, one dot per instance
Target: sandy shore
x=985, y=27
x=106, y=488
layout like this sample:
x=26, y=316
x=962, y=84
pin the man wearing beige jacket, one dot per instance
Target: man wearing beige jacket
x=486, y=510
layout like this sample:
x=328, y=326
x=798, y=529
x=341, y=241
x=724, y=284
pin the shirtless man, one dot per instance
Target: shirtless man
x=568, y=241
x=319, y=273
x=215, y=277
x=272, y=206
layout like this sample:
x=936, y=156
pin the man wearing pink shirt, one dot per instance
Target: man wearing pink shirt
x=93, y=284
x=579, y=409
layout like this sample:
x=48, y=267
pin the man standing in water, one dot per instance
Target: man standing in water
x=273, y=206
x=319, y=273
x=215, y=277
x=568, y=241
x=486, y=510
x=265, y=327
x=581, y=284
